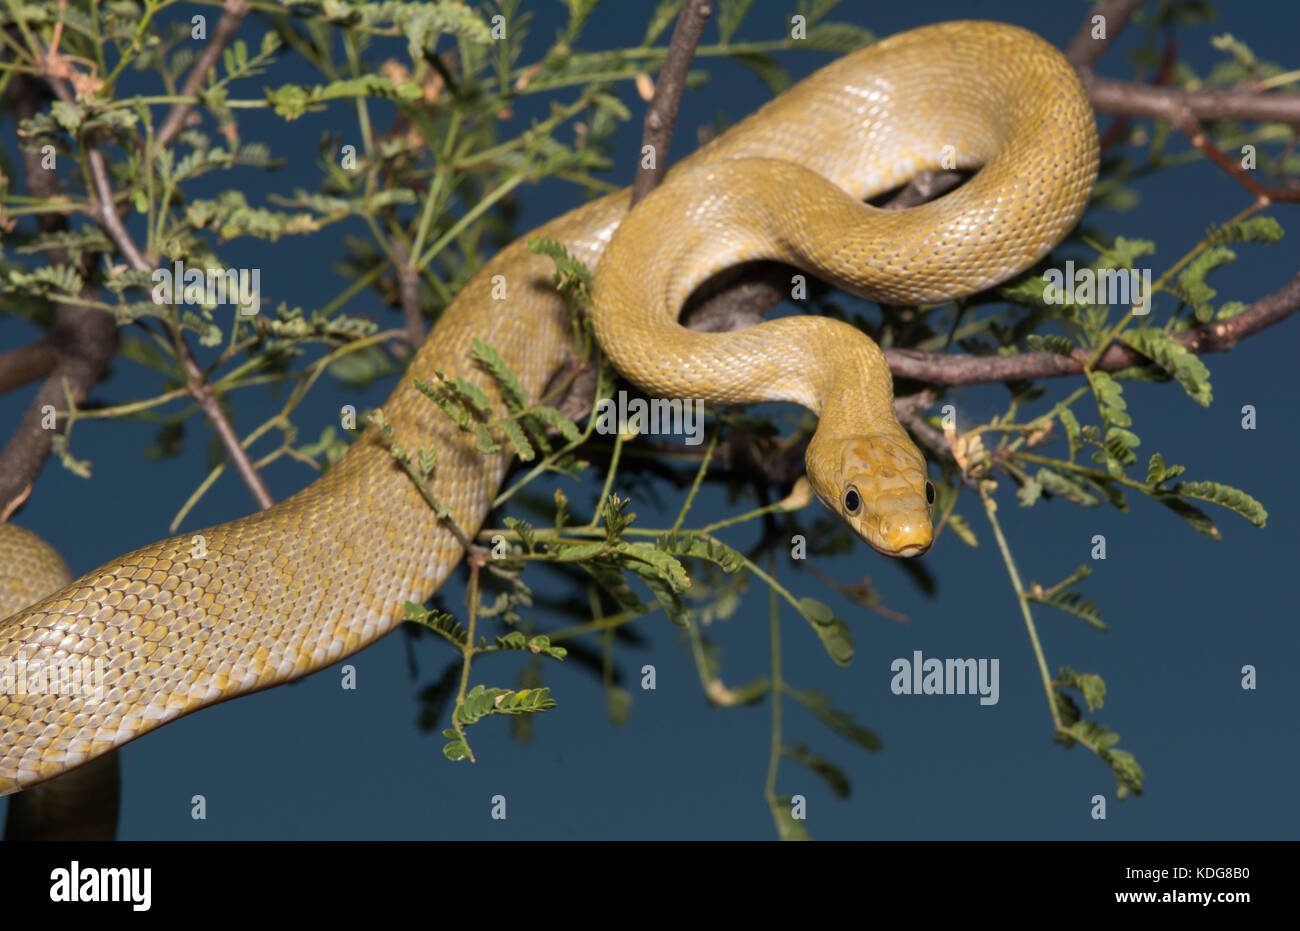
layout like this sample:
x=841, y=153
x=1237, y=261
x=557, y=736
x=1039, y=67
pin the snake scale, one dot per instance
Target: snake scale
x=264, y=599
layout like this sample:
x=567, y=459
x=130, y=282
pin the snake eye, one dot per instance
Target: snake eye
x=852, y=501
x=929, y=493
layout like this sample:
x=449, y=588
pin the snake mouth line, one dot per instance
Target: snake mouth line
x=915, y=549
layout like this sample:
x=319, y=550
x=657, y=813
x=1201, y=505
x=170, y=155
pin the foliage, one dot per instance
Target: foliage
x=434, y=94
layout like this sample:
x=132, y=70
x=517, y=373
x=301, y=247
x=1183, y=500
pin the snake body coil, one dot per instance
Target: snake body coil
x=281, y=593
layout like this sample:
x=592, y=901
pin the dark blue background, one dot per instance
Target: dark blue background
x=315, y=761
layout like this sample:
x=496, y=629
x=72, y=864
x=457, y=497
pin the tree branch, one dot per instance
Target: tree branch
x=53, y=392
x=227, y=26
x=196, y=383
x=1216, y=336
x=1166, y=103
x=408, y=287
x=1083, y=50
x=27, y=363
x=661, y=115
x=84, y=340
x=1198, y=138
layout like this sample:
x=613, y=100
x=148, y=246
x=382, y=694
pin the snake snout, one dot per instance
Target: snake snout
x=906, y=535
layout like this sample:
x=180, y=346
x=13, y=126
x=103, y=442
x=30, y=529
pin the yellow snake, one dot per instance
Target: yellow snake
x=256, y=602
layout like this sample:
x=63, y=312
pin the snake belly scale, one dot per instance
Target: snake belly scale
x=292, y=589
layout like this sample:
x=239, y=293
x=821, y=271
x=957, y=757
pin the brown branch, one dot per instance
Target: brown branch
x=198, y=386
x=1083, y=50
x=84, y=339
x=661, y=116
x=1216, y=336
x=1197, y=136
x=1166, y=103
x=27, y=363
x=227, y=26
x=105, y=212
x=196, y=383
x=408, y=288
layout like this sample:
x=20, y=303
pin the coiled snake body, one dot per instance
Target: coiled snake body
x=281, y=593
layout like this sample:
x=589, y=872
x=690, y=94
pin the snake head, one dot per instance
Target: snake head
x=877, y=485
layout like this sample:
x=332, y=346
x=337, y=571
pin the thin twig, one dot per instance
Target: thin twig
x=1084, y=49
x=1201, y=140
x=227, y=26
x=1216, y=336
x=408, y=286
x=661, y=116
x=198, y=387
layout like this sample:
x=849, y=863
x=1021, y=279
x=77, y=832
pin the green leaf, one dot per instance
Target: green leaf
x=1158, y=473
x=841, y=722
x=511, y=390
x=1174, y=358
x=446, y=400
x=1229, y=309
x=525, y=530
x=1100, y=739
x=553, y=418
x=1091, y=686
x=1199, y=520
x=838, y=37
x=1068, y=487
x=481, y=702
x=1232, y=498
x=523, y=449
x=571, y=277
x=1050, y=342
x=618, y=705
x=1072, y=434
x=833, y=776
x=1071, y=601
x=1252, y=229
x=440, y=622
x=68, y=115
x=963, y=530
x=834, y=633
x=1111, y=491
x=1191, y=285
x=1124, y=252
x=456, y=748
x=1029, y=493
x=660, y=563
x=541, y=644
x=787, y=828
x=611, y=580
x=289, y=101
x=1240, y=51
x=770, y=71
x=368, y=85
x=715, y=551
x=730, y=13
x=665, y=12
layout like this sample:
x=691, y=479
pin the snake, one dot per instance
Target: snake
x=207, y=616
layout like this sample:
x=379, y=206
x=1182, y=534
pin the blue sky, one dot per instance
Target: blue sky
x=312, y=760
